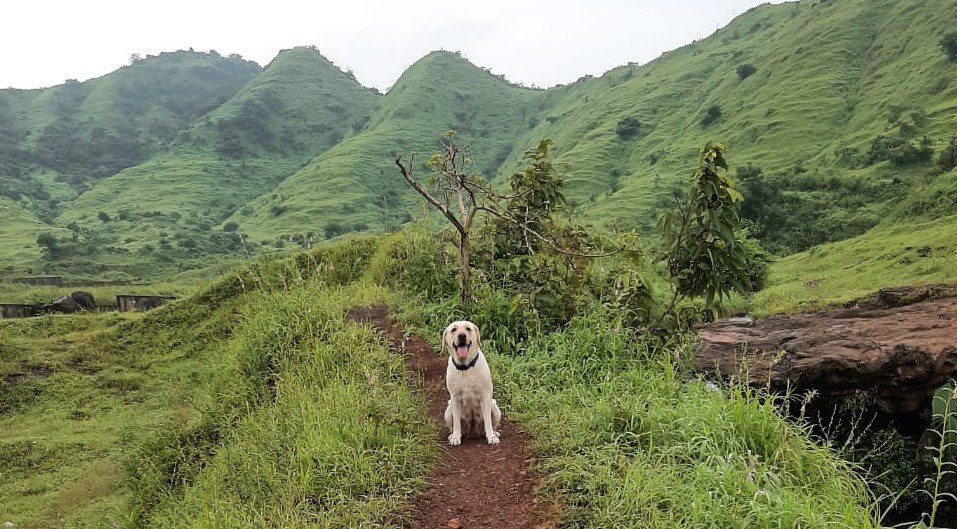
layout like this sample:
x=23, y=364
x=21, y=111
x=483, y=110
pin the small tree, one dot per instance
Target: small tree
x=49, y=244
x=948, y=157
x=949, y=45
x=711, y=115
x=464, y=195
x=627, y=128
x=705, y=251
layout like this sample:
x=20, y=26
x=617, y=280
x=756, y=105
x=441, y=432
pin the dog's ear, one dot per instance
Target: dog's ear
x=445, y=342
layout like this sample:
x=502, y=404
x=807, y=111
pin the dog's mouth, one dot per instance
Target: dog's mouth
x=462, y=350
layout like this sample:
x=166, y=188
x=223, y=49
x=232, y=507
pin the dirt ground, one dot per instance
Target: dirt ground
x=474, y=485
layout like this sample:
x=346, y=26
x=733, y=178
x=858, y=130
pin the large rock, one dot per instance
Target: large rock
x=900, y=345
x=84, y=299
x=63, y=305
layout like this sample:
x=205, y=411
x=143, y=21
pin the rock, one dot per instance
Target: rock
x=745, y=321
x=63, y=305
x=454, y=523
x=84, y=299
x=900, y=345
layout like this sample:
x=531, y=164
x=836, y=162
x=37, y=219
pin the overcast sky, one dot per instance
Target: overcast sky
x=540, y=42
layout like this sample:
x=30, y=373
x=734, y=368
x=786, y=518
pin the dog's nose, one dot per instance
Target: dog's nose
x=462, y=337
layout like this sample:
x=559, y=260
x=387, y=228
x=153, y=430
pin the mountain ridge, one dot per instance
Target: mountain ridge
x=820, y=102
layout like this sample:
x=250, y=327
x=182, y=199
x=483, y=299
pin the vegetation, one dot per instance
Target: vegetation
x=295, y=150
x=830, y=274
x=250, y=402
x=949, y=45
x=746, y=70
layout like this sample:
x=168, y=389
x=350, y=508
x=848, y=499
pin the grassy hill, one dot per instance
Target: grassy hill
x=834, y=113
x=355, y=185
x=913, y=253
x=68, y=136
x=825, y=118
x=827, y=79
x=163, y=209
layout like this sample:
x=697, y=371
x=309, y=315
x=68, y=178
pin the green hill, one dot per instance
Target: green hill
x=828, y=78
x=834, y=113
x=827, y=108
x=355, y=187
x=57, y=141
x=163, y=209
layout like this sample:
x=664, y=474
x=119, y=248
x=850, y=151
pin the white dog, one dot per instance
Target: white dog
x=469, y=382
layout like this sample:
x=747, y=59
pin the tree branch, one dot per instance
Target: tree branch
x=543, y=238
x=407, y=174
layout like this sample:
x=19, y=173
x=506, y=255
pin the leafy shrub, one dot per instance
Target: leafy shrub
x=745, y=71
x=627, y=128
x=49, y=244
x=748, y=172
x=899, y=151
x=230, y=227
x=334, y=229
x=949, y=45
x=712, y=114
x=706, y=255
x=104, y=216
x=948, y=157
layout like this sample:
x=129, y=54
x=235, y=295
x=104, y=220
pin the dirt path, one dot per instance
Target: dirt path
x=474, y=485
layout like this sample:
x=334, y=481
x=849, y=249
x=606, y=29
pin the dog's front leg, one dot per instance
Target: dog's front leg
x=490, y=434
x=455, y=438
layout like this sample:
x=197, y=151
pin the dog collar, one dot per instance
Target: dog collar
x=467, y=366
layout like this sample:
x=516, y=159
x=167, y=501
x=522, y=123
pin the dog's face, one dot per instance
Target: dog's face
x=462, y=340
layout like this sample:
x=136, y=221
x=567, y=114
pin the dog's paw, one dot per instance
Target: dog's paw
x=493, y=439
x=455, y=439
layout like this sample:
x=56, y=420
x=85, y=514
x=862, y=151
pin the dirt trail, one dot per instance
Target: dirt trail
x=474, y=485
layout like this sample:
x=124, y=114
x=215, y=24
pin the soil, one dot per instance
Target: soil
x=899, y=345
x=474, y=485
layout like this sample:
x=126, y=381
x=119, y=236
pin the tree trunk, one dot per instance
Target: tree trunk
x=464, y=266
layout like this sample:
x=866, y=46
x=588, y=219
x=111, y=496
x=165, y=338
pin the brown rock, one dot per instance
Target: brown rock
x=899, y=344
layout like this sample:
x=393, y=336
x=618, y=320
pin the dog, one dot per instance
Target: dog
x=471, y=409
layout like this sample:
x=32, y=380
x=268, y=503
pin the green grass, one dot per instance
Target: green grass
x=830, y=274
x=253, y=402
x=302, y=151
x=250, y=402
x=628, y=438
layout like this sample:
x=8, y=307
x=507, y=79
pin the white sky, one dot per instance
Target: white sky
x=541, y=42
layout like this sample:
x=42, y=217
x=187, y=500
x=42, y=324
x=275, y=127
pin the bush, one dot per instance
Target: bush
x=899, y=151
x=745, y=71
x=230, y=227
x=949, y=45
x=104, y=216
x=627, y=128
x=711, y=115
x=49, y=244
x=948, y=157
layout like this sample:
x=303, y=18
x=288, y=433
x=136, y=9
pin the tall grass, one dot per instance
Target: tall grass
x=629, y=439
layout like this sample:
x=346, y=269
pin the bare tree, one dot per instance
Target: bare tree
x=461, y=196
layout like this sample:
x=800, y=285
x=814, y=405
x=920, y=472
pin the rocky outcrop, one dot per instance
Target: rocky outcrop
x=63, y=305
x=84, y=299
x=899, y=345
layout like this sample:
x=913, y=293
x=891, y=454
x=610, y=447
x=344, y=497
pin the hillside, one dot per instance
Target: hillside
x=58, y=141
x=828, y=78
x=834, y=113
x=299, y=106
x=355, y=186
